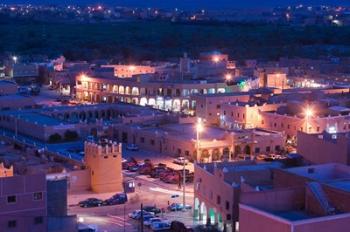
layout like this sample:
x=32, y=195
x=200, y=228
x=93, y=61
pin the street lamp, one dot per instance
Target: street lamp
x=15, y=58
x=308, y=113
x=228, y=77
x=215, y=59
x=199, y=129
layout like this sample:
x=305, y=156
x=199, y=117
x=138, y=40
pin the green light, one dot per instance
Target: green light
x=242, y=85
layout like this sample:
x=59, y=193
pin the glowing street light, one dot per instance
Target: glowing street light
x=199, y=129
x=308, y=114
x=215, y=59
x=15, y=59
x=228, y=77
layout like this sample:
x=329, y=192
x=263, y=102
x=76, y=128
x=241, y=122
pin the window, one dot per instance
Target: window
x=257, y=150
x=37, y=196
x=11, y=199
x=12, y=224
x=228, y=217
x=227, y=205
x=142, y=139
x=218, y=199
x=152, y=141
x=38, y=220
x=268, y=149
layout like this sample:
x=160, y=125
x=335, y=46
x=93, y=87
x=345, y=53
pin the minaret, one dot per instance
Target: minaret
x=105, y=163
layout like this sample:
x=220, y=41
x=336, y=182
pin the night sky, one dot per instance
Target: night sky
x=191, y=4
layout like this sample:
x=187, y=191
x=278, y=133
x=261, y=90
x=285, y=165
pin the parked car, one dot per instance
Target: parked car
x=152, y=209
x=91, y=202
x=137, y=214
x=181, y=161
x=132, y=147
x=134, y=168
x=126, y=164
x=158, y=226
x=146, y=217
x=145, y=169
x=178, y=206
x=117, y=199
x=156, y=171
x=149, y=222
x=261, y=157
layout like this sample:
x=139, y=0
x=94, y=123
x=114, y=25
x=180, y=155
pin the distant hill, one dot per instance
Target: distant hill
x=189, y=4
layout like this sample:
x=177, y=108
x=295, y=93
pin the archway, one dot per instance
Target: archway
x=203, y=213
x=220, y=222
x=212, y=216
x=238, y=150
x=127, y=90
x=143, y=101
x=196, y=210
x=151, y=102
x=82, y=116
x=215, y=155
x=247, y=149
x=226, y=153
x=205, y=155
x=135, y=91
x=121, y=90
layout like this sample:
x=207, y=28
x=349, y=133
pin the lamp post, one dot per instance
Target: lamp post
x=308, y=113
x=15, y=58
x=199, y=129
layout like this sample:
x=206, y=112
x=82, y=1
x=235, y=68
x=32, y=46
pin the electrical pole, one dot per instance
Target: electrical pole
x=124, y=217
x=141, y=221
x=184, y=185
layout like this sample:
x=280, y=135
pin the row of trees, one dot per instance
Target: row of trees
x=68, y=136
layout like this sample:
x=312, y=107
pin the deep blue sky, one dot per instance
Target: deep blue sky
x=190, y=4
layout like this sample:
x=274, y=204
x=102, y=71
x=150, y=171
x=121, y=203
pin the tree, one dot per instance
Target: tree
x=55, y=138
x=70, y=135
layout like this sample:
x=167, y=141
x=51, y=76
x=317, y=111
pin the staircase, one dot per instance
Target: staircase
x=320, y=195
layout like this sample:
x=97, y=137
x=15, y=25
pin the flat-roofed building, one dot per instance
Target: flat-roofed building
x=324, y=147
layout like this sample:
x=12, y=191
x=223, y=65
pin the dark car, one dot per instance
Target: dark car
x=155, y=173
x=152, y=209
x=134, y=168
x=145, y=169
x=131, y=162
x=91, y=202
x=117, y=199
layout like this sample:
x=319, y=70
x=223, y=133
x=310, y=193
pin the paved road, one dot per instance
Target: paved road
x=151, y=192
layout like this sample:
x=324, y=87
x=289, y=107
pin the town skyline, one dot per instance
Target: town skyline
x=188, y=4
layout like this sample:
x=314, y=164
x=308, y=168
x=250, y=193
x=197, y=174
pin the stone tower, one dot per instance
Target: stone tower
x=104, y=160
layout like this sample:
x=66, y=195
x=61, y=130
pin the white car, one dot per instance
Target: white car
x=153, y=220
x=181, y=160
x=132, y=147
x=137, y=214
x=158, y=226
